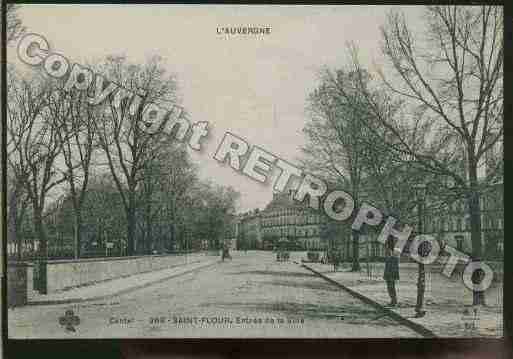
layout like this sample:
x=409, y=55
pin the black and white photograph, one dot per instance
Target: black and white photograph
x=254, y=171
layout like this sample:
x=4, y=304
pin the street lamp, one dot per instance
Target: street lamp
x=420, y=196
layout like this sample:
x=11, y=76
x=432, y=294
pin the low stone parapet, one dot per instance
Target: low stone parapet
x=66, y=274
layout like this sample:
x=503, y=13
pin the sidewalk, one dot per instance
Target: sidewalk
x=446, y=299
x=117, y=286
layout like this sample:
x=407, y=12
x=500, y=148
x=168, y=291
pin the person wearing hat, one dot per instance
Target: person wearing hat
x=391, y=274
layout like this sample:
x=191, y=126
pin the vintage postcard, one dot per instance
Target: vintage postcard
x=240, y=171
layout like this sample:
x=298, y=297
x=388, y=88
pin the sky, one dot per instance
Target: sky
x=252, y=86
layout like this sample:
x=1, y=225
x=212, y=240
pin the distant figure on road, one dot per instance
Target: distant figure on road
x=225, y=253
x=391, y=271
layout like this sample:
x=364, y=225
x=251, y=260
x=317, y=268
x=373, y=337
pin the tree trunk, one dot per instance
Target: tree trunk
x=39, y=227
x=12, y=225
x=43, y=250
x=421, y=287
x=172, y=240
x=475, y=224
x=149, y=237
x=78, y=233
x=147, y=228
x=130, y=231
x=356, y=251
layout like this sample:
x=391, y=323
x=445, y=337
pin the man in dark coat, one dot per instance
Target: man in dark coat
x=225, y=254
x=391, y=271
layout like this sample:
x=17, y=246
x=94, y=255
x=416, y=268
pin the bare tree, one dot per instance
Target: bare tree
x=102, y=223
x=14, y=26
x=215, y=211
x=451, y=95
x=336, y=139
x=167, y=177
x=16, y=173
x=17, y=204
x=182, y=178
x=126, y=146
x=75, y=119
x=34, y=145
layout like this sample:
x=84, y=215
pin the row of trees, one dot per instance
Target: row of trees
x=101, y=165
x=433, y=115
x=165, y=221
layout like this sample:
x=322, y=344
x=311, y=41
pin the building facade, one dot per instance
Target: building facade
x=286, y=218
x=451, y=223
x=282, y=218
x=248, y=231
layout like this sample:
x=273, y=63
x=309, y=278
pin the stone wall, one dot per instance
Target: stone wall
x=65, y=274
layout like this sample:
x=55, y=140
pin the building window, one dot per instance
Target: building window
x=459, y=243
x=435, y=224
x=458, y=224
x=427, y=225
x=493, y=223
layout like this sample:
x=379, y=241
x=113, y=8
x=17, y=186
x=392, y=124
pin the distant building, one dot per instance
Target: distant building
x=285, y=217
x=451, y=224
x=282, y=218
x=230, y=237
x=248, y=231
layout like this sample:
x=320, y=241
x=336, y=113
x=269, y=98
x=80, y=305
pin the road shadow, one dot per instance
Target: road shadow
x=314, y=285
x=273, y=273
x=348, y=313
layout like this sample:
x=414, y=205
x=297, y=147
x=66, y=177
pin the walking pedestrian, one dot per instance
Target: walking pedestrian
x=391, y=274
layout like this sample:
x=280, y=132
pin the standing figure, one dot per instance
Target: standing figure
x=225, y=253
x=391, y=274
